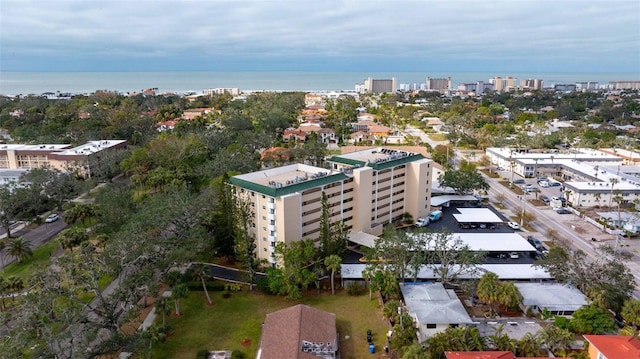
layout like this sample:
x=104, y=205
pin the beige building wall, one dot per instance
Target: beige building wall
x=364, y=199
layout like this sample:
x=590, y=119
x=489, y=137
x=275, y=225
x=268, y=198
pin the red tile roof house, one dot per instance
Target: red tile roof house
x=613, y=347
x=484, y=355
x=299, y=332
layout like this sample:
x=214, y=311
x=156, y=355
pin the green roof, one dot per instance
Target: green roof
x=380, y=165
x=284, y=190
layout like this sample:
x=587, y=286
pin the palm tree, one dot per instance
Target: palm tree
x=79, y=212
x=177, y=292
x=500, y=340
x=199, y=269
x=333, y=263
x=614, y=181
x=4, y=286
x=528, y=346
x=597, y=197
x=509, y=295
x=488, y=290
x=555, y=338
x=3, y=245
x=15, y=285
x=162, y=305
x=618, y=200
x=153, y=335
x=19, y=248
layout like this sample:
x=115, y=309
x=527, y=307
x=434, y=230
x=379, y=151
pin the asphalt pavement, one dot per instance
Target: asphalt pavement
x=36, y=235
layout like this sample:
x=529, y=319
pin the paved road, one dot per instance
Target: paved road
x=416, y=132
x=547, y=218
x=36, y=236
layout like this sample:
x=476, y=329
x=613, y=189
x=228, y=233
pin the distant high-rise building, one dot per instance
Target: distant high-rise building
x=380, y=85
x=440, y=85
x=625, y=85
x=587, y=85
x=532, y=84
x=564, y=87
x=510, y=83
x=498, y=84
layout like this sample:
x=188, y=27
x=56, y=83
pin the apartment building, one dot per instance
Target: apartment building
x=365, y=190
x=379, y=85
x=440, y=85
x=58, y=156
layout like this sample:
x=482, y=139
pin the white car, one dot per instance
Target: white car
x=513, y=225
x=52, y=218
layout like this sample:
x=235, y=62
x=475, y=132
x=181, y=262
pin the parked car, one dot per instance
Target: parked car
x=535, y=242
x=513, y=225
x=543, y=184
x=52, y=218
x=514, y=255
x=518, y=181
x=563, y=210
x=545, y=199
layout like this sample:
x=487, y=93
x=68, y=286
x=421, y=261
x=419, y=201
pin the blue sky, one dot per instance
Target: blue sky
x=303, y=35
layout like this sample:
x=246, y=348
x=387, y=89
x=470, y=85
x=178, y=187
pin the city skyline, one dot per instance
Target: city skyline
x=538, y=36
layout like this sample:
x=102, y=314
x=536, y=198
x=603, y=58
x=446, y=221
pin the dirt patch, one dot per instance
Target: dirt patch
x=245, y=342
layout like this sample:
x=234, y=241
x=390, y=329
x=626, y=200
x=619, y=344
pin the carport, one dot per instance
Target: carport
x=476, y=218
x=437, y=201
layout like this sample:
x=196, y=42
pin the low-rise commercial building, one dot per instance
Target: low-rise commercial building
x=63, y=157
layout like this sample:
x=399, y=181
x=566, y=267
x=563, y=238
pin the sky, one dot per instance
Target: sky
x=320, y=35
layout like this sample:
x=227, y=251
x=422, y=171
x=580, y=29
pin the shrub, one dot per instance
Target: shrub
x=355, y=289
x=211, y=286
x=202, y=354
x=233, y=287
x=236, y=354
x=561, y=322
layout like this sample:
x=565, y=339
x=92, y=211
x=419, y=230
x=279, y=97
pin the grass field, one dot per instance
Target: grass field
x=41, y=258
x=437, y=136
x=224, y=325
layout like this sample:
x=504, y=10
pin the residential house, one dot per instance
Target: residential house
x=166, y=125
x=613, y=347
x=557, y=298
x=433, y=308
x=299, y=332
x=190, y=114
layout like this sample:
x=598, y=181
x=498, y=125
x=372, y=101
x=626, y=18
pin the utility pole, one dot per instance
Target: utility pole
x=524, y=201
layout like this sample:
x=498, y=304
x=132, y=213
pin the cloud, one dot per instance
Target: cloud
x=600, y=35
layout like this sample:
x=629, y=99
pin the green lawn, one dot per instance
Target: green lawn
x=224, y=325
x=41, y=258
x=437, y=136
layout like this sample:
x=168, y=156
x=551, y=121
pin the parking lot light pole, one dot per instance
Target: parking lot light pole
x=524, y=201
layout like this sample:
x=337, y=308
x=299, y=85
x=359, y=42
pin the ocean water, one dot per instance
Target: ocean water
x=14, y=83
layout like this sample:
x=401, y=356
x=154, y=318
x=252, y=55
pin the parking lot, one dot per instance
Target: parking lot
x=448, y=223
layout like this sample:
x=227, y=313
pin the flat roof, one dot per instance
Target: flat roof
x=477, y=215
x=40, y=147
x=377, y=158
x=363, y=239
x=437, y=201
x=285, y=180
x=553, y=296
x=488, y=242
x=503, y=271
x=90, y=147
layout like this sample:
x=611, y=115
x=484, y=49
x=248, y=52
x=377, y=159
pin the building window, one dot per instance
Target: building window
x=431, y=326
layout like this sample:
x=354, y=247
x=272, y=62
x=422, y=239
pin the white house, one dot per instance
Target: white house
x=433, y=308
